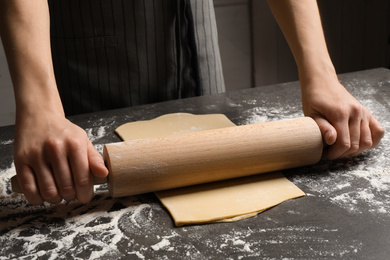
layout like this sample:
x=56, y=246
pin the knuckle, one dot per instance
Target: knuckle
x=377, y=135
x=53, y=149
x=83, y=182
x=366, y=143
x=354, y=147
x=345, y=145
x=53, y=144
x=339, y=114
x=73, y=145
x=27, y=156
x=67, y=191
x=356, y=110
x=34, y=152
x=49, y=193
x=381, y=131
x=28, y=189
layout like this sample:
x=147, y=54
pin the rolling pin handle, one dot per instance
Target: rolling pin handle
x=17, y=189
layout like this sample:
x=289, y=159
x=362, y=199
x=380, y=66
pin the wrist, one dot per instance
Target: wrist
x=34, y=98
x=314, y=70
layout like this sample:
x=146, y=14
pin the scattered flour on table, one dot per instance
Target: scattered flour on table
x=371, y=170
x=99, y=148
x=71, y=228
x=96, y=133
x=321, y=242
x=5, y=185
x=11, y=141
x=162, y=244
x=245, y=246
x=361, y=182
x=238, y=240
x=77, y=228
x=265, y=114
x=93, y=225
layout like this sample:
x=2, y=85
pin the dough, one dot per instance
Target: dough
x=227, y=200
x=222, y=201
x=172, y=124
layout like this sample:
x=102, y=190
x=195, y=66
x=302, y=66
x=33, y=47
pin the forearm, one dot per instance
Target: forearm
x=346, y=126
x=301, y=24
x=25, y=32
x=53, y=157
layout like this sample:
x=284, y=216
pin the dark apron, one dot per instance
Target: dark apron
x=110, y=54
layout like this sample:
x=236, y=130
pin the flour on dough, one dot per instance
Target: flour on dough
x=223, y=201
x=172, y=124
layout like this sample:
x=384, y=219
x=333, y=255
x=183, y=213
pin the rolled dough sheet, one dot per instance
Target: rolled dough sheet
x=172, y=124
x=223, y=201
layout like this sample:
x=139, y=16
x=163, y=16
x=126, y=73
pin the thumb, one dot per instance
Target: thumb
x=328, y=132
x=96, y=162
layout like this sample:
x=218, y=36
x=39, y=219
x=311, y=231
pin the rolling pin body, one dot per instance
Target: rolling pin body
x=147, y=165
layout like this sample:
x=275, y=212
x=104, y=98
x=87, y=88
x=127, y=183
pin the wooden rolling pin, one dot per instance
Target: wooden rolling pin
x=154, y=164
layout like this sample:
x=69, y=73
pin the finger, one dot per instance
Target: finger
x=365, y=138
x=28, y=184
x=96, y=162
x=343, y=141
x=377, y=131
x=328, y=132
x=46, y=183
x=355, y=124
x=62, y=173
x=82, y=177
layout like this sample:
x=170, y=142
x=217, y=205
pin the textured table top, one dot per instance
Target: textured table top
x=346, y=212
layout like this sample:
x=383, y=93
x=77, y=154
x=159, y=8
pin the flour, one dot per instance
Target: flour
x=321, y=242
x=246, y=246
x=110, y=228
x=99, y=148
x=238, y=242
x=11, y=141
x=372, y=168
x=162, y=244
x=96, y=133
x=191, y=129
x=67, y=222
x=266, y=114
x=337, y=182
x=5, y=188
x=134, y=217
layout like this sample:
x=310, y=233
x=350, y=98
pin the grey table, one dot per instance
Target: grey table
x=345, y=214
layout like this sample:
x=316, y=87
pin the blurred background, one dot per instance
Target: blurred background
x=255, y=53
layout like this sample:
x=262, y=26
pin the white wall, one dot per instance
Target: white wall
x=7, y=103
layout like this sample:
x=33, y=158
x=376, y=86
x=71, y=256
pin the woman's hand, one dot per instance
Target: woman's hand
x=54, y=159
x=347, y=127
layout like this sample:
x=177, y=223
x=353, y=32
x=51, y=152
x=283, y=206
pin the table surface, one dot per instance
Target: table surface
x=344, y=215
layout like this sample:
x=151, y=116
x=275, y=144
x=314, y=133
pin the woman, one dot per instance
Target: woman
x=135, y=52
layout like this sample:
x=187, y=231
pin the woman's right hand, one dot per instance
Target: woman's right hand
x=54, y=159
